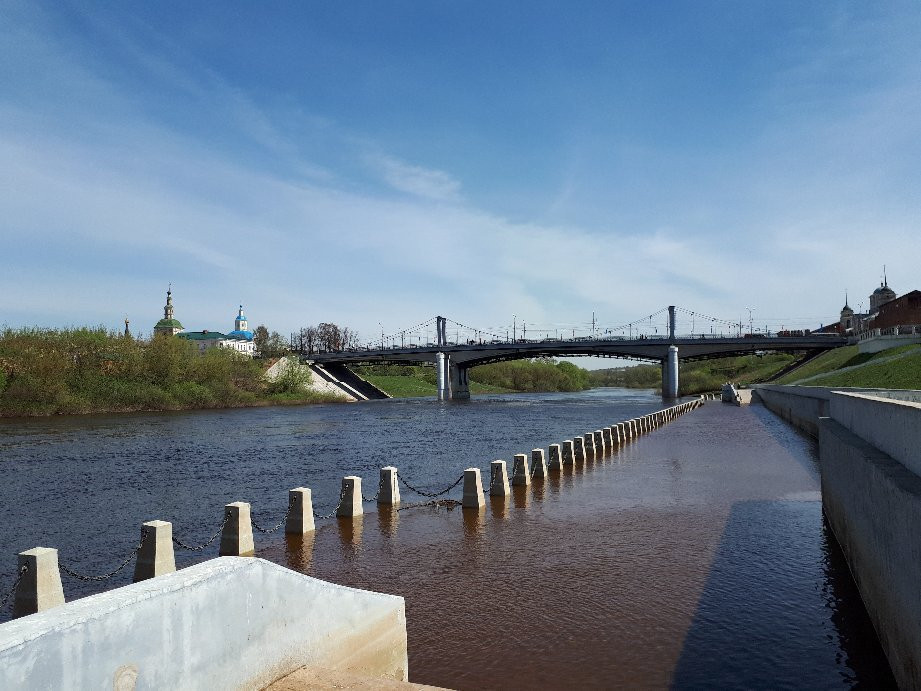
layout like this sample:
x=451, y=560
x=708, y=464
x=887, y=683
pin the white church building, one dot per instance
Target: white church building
x=240, y=339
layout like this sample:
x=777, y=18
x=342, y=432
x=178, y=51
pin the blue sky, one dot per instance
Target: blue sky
x=377, y=163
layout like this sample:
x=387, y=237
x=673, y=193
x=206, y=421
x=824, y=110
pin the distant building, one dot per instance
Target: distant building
x=169, y=325
x=240, y=339
x=901, y=311
x=886, y=310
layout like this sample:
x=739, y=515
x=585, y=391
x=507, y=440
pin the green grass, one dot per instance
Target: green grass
x=904, y=373
x=408, y=386
x=697, y=377
x=401, y=386
x=837, y=359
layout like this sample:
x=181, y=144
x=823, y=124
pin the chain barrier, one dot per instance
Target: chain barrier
x=380, y=488
x=433, y=495
x=107, y=576
x=334, y=511
x=200, y=547
x=437, y=503
x=271, y=530
x=9, y=595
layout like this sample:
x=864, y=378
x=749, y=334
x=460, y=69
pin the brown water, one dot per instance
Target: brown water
x=694, y=557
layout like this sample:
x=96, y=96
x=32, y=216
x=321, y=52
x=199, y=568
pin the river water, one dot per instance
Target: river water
x=696, y=556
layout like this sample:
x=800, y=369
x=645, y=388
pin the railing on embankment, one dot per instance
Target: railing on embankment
x=870, y=465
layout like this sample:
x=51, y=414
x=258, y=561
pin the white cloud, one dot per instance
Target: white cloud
x=416, y=180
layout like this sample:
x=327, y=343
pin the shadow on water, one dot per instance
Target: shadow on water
x=778, y=608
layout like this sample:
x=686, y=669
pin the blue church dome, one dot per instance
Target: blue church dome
x=242, y=334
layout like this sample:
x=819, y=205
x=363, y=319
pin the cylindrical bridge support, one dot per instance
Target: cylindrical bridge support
x=441, y=368
x=670, y=373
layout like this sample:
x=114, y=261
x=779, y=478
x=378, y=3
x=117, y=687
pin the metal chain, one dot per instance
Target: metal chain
x=22, y=572
x=380, y=488
x=334, y=511
x=105, y=577
x=437, y=503
x=272, y=530
x=192, y=548
x=430, y=494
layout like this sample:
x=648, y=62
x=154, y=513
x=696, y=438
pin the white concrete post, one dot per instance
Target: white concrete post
x=388, y=488
x=473, y=490
x=498, y=479
x=40, y=586
x=521, y=471
x=621, y=432
x=300, y=511
x=569, y=452
x=578, y=449
x=601, y=449
x=589, y=441
x=608, y=438
x=556, y=457
x=539, y=462
x=237, y=535
x=156, y=556
x=351, y=497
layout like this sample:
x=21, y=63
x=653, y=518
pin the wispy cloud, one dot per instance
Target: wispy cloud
x=421, y=182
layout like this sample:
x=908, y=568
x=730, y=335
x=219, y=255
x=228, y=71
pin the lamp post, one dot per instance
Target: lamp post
x=382, y=334
x=750, y=310
x=514, y=335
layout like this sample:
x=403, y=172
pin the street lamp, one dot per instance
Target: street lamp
x=382, y=334
x=514, y=335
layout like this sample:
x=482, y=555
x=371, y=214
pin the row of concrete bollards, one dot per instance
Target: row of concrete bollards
x=38, y=586
x=590, y=446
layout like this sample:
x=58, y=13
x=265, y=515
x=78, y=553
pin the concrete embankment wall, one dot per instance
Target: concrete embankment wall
x=802, y=406
x=231, y=622
x=870, y=464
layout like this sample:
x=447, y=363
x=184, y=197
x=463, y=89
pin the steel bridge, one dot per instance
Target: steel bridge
x=453, y=360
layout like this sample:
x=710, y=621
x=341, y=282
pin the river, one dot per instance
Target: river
x=694, y=556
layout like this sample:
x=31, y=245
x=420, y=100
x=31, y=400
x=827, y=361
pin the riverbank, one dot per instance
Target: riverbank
x=91, y=371
x=895, y=368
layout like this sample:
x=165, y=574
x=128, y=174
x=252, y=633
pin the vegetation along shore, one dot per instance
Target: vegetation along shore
x=92, y=370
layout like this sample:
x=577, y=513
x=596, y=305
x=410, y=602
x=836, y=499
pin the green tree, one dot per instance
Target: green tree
x=260, y=338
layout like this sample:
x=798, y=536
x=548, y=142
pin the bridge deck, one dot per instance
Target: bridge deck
x=689, y=348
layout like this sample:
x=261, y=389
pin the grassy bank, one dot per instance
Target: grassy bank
x=897, y=368
x=72, y=371
x=696, y=377
x=402, y=381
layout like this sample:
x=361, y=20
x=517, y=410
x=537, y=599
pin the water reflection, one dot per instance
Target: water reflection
x=474, y=522
x=387, y=519
x=498, y=506
x=521, y=496
x=350, y=532
x=299, y=551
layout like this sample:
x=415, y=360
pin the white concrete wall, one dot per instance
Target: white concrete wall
x=892, y=426
x=802, y=406
x=228, y=623
x=873, y=504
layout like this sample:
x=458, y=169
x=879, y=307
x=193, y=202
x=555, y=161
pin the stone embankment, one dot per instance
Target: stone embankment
x=870, y=465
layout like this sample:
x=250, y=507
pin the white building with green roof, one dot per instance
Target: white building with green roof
x=240, y=339
x=169, y=325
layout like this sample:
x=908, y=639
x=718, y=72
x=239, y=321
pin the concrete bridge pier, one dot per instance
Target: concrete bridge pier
x=670, y=373
x=441, y=365
x=458, y=381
